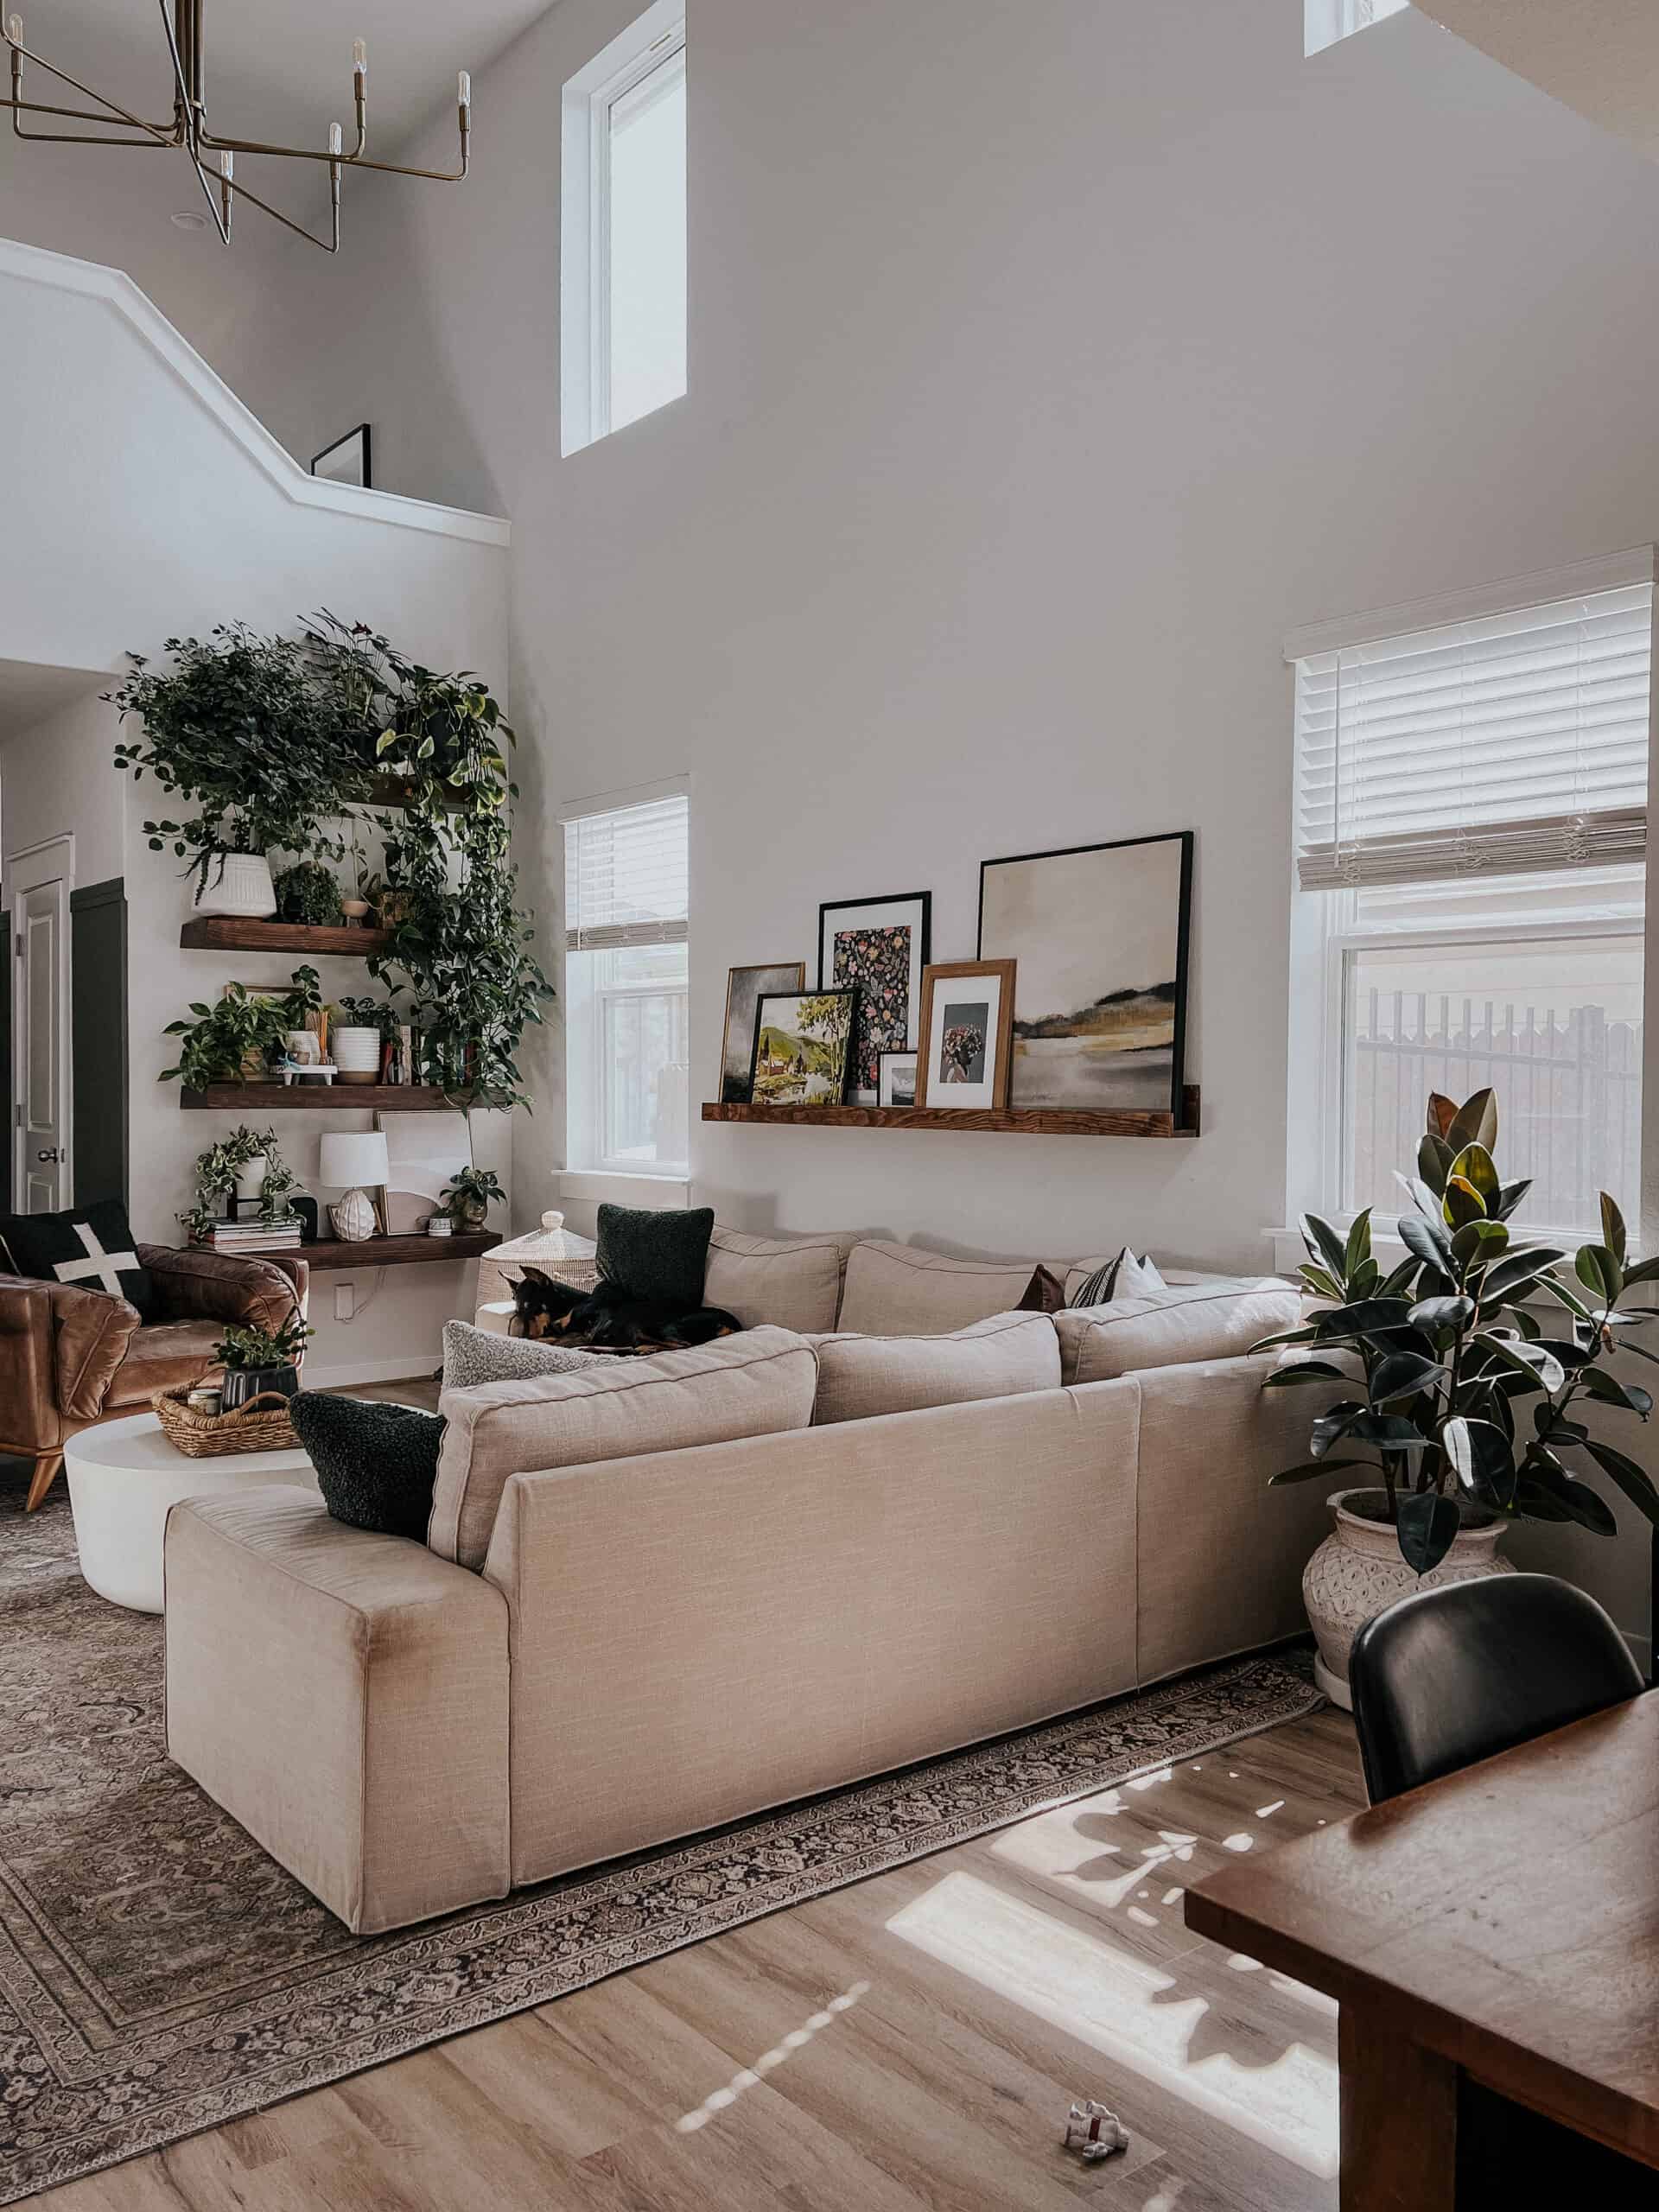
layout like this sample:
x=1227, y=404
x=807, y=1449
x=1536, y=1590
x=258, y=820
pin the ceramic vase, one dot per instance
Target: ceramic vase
x=356, y=1054
x=1357, y=1572
x=353, y=1217
x=250, y=1177
x=240, y=884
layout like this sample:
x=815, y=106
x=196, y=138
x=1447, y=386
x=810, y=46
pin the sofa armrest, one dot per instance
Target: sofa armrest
x=194, y=1285
x=59, y=1349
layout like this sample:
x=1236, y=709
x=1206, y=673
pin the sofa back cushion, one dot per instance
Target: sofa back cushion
x=757, y=1384
x=1220, y=1318
x=786, y=1282
x=900, y=1290
x=861, y=1376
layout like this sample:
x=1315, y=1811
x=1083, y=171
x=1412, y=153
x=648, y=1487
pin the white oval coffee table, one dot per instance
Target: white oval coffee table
x=124, y=1474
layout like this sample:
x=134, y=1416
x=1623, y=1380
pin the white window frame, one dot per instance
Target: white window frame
x=1326, y=22
x=1323, y=934
x=652, y=43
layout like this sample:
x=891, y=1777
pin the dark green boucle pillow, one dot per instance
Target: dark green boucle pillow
x=376, y=1464
x=661, y=1256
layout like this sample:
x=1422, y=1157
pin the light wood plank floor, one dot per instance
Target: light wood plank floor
x=907, y=2045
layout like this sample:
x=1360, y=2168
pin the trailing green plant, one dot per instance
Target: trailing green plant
x=248, y=1346
x=470, y=1193
x=243, y=1025
x=218, y=1167
x=1470, y=1407
x=241, y=727
x=274, y=1192
x=309, y=893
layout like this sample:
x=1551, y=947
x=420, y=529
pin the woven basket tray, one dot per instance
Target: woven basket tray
x=262, y=1425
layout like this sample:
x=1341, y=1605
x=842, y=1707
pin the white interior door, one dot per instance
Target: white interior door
x=41, y=1059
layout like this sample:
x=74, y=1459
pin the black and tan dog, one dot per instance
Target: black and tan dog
x=607, y=1318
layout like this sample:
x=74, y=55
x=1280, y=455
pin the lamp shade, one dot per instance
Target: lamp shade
x=350, y=1158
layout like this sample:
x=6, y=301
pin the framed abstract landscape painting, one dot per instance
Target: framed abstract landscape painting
x=802, y=1048
x=879, y=948
x=1100, y=936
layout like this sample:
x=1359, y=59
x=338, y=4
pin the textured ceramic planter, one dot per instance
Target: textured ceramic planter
x=1357, y=1572
x=356, y=1054
x=242, y=886
x=250, y=1177
x=243, y=1384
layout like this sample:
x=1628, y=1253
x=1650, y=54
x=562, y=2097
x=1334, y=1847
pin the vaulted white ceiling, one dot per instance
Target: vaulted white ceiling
x=1599, y=57
x=281, y=69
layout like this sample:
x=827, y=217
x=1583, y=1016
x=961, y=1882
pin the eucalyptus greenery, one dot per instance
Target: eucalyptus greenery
x=243, y=1026
x=1470, y=1407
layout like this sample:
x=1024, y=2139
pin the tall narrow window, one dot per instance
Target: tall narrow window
x=626, y=1061
x=1472, y=829
x=622, y=289
x=1327, y=21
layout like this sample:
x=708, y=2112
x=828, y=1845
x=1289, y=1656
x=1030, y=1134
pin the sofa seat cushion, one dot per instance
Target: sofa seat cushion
x=344, y=1696
x=900, y=1290
x=761, y=1384
x=169, y=1356
x=860, y=1377
x=1220, y=1318
x=787, y=1282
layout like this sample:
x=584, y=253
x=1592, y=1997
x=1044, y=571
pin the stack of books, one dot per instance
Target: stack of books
x=254, y=1236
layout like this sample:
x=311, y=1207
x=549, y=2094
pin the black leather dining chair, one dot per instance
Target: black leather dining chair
x=1447, y=1676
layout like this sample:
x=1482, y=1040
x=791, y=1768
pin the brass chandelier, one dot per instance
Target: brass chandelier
x=212, y=158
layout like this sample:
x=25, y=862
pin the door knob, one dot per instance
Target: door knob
x=54, y=1154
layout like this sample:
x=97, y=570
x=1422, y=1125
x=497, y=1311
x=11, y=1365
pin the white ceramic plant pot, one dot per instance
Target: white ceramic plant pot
x=250, y=1177
x=1357, y=1572
x=244, y=887
x=357, y=1054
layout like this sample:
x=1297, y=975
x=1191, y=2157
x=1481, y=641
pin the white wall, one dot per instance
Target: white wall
x=157, y=508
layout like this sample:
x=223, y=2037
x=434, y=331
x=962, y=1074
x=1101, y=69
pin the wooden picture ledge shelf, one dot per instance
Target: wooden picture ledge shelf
x=1038, y=1122
x=233, y=933
x=317, y=1098
x=393, y=1251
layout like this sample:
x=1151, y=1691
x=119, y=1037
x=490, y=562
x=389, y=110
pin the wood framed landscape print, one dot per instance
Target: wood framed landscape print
x=744, y=987
x=802, y=1048
x=1100, y=936
x=879, y=948
x=962, y=1064
x=896, y=1083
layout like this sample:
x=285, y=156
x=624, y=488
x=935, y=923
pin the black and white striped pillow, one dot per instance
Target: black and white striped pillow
x=1124, y=1277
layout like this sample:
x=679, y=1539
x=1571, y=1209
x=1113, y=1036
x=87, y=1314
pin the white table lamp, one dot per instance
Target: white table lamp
x=346, y=1160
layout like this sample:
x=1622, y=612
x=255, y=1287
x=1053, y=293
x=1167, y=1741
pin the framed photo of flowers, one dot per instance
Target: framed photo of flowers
x=879, y=948
x=966, y=1053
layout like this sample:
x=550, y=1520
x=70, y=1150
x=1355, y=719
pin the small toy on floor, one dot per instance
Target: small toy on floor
x=1095, y=2132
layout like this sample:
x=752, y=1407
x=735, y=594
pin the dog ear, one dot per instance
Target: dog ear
x=536, y=1275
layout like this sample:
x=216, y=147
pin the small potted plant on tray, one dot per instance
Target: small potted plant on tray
x=1450, y=1388
x=469, y=1196
x=258, y=1360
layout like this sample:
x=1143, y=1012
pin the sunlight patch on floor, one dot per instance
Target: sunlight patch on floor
x=750, y=2077
x=1122, y=2004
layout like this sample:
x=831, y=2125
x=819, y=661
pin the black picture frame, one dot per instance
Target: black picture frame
x=357, y=447
x=1185, y=839
x=918, y=913
x=778, y=998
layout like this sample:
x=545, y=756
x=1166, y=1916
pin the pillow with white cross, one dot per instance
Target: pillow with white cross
x=88, y=1246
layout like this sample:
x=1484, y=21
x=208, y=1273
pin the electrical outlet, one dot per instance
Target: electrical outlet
x=344, y=1300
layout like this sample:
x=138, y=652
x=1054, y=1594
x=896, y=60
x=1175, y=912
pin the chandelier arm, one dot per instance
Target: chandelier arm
x=240, y=191
x=205, y=138
x=78, y=115
x=219, y=223
x=437, y=176
x=164, y=134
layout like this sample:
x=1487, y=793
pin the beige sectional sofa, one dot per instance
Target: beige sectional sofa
x=663, y=1594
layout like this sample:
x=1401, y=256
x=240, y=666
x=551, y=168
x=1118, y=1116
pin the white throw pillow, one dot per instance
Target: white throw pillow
x=473, y=1356
x=1216, y=1319
x=784, y=1283
x=900, y=1290
x=860, y=1377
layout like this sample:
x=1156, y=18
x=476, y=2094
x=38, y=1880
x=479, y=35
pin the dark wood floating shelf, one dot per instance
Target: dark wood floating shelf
x=1020, y=1121
x=234, y=933
x=395, y=1251
x=316, y=1097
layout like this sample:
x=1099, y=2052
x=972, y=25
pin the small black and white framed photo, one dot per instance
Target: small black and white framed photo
x=348, y=460
x=879, y=948
x=897, y=1084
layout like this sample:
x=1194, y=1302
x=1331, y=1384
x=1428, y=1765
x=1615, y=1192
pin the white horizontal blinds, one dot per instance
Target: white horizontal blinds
x=625, y=877
x=1516, y=742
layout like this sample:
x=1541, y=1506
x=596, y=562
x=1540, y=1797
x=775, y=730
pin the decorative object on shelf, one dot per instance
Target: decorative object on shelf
x=356, y=911
x=347, y=1159
x=307, y=1211
x=349, y=460
x=234, y=1040
x=469, y=1195
x=1100, y=933
x=246, y=1168
x=291, y=1070
x=308, y=892
x=1470, y=1413
x=439, y=1224
x=802, y=1053
x=239, y=727
x=967, y=1023
x=896, y=1082
x=357, y=1053
x=879, y=948
x=744, y=990
x=425, y=1153
x=364, y=1036
x=258, y=1360
x=213, y=158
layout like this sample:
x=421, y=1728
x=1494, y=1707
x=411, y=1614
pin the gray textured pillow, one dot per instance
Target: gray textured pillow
x=474, y=1356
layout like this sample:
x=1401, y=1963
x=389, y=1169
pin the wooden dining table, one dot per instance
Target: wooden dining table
x=1492, y=1943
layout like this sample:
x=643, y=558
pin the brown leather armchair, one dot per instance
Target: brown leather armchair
x=70, y=1358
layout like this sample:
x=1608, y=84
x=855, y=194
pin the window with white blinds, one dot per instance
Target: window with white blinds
x=1513, y=744
x=625, y=877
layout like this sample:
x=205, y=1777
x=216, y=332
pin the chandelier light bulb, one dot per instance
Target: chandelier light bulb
x=14, y=30
x=465, y=83
x=227, y=166
x=333, y=138
x=360, y=56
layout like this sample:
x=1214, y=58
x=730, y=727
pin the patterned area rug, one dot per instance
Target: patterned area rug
x=160, y=1974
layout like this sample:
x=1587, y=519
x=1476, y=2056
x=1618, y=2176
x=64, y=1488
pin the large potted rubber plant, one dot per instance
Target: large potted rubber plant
x=1459, y=1401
